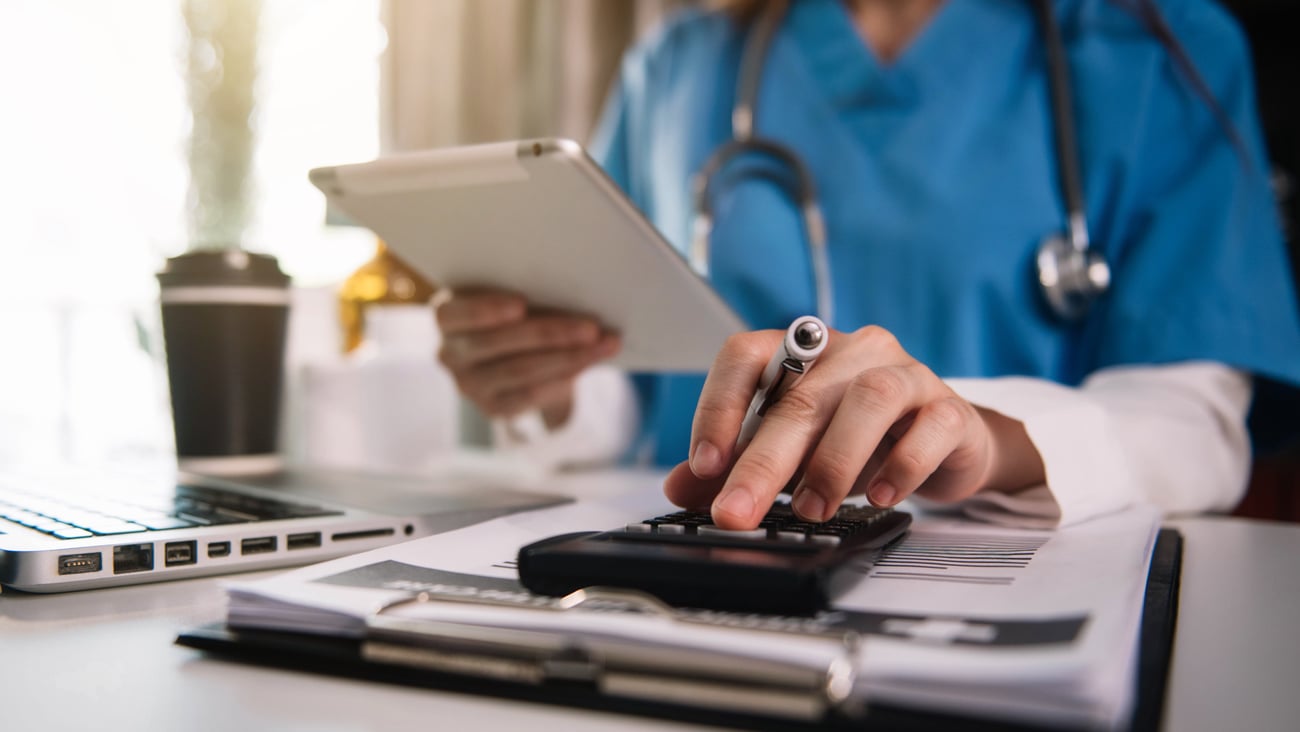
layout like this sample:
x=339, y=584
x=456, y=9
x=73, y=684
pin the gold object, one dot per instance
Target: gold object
x=384, y=279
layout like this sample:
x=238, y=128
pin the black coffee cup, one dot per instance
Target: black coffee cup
x=224, y=315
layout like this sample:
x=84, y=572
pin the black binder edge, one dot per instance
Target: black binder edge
x=1159, y=623
x=340, y=657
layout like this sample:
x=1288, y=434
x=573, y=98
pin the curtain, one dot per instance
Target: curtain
x=466, y=71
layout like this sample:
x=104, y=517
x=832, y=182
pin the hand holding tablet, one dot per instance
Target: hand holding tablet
x=509, y=358
x=539, y=219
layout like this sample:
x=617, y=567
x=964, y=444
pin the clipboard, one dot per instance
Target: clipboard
x=527, y=669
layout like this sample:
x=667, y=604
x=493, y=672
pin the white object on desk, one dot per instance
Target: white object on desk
x=389, y=406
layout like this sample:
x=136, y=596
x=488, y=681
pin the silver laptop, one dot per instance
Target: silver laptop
x=72, y=529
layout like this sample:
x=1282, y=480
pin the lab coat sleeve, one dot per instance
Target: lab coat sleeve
x=1173, y=436
x=600, y=430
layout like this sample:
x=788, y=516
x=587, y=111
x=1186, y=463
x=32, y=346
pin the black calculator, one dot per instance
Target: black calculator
x=785, y=566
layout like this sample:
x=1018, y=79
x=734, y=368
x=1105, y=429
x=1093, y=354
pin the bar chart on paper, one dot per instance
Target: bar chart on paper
x=931, y=554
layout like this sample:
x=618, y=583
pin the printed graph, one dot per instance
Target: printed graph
x=975, y=558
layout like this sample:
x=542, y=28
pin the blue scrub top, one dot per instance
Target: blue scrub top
x=938, y=181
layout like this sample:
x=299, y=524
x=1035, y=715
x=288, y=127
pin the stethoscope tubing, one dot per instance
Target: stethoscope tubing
x=803, y=190
x=1070, y=273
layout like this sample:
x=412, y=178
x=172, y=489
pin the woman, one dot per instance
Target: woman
x=927, y=127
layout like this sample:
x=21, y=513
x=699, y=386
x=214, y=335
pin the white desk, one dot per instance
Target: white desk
x=1236, y=662
x=104, y=659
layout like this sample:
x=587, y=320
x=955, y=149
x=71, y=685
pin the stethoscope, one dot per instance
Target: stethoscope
x=1071, y=274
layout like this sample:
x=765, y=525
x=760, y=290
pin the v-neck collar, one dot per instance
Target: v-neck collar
x=851, y=73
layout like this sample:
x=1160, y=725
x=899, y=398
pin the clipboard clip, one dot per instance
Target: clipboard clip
x=692, y=677
x=598, y=597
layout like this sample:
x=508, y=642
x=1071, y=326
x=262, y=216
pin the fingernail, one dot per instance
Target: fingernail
x=882, y=494
x=736, y=503
x=809, y=504
x=707, y=461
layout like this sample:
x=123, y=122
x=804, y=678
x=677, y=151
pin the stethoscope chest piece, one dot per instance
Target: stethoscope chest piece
x=1070, y=277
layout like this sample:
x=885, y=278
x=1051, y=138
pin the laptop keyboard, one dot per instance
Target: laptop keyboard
x=82, y=516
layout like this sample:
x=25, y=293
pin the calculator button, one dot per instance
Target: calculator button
x=711, y=530
x=673, y=516
x=639, y=528
x=791, y=536
x=671, y=529
x=825, y=539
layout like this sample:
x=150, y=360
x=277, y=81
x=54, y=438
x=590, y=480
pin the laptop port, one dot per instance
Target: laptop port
x=367, y=534
x=132, y=558
x=81, y=563
x=179, y=553
x=302, y=541
x=218, y=549
x=260, y=545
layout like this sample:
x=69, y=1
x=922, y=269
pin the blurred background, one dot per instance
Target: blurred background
x=135, y=130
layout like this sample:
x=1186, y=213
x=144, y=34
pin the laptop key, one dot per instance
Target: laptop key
x=70, y=532
x=207, y=519
x=108, y=527
x=81, y=518
x=26, y=518
x=161, y=523
x=234, y=514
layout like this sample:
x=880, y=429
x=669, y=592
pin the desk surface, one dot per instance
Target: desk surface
x=104, y=659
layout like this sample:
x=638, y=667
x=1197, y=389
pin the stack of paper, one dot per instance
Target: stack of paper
x=1035, y=626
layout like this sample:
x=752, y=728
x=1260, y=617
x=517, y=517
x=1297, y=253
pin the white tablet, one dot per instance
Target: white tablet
x=540, y=218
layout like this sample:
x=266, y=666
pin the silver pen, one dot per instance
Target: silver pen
x=804, y=341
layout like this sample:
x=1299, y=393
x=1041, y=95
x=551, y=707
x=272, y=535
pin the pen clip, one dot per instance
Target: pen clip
x=790, y=371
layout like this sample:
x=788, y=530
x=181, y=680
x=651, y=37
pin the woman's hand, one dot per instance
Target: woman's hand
x=866, y=418
x=508, y=358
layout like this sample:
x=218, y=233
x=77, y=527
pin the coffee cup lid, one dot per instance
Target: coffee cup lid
x=222, y=267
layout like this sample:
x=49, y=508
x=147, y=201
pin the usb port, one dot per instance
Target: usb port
x=132, y=558
x=218, y=549
x=178, y=553
x=260, y=545
x=81, y=563
x=302, y=541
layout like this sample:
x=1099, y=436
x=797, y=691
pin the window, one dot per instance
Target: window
x=94, y=197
